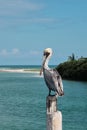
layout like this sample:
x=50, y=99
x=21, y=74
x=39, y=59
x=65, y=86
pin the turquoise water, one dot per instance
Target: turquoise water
x=23, y=102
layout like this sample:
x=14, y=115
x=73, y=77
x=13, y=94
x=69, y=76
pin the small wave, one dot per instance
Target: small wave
x=20, y=70
x=37, y=76
x=11, y=70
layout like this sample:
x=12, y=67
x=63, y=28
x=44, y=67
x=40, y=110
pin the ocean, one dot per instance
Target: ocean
x=23, y=100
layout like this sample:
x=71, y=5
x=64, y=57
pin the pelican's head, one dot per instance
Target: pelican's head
x=46, y=55
x=47, y=52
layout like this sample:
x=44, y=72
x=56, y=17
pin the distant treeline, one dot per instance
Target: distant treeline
x=73, y=69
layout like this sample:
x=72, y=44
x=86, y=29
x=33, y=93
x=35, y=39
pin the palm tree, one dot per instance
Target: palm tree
x=71, y=58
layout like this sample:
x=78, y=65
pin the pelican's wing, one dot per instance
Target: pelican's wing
x=48, y=76
x=59, y=79
x=52, y=79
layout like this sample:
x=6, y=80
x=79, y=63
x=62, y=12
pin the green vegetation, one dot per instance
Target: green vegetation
x=73, y=69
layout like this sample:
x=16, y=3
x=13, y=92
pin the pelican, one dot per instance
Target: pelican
x=52, y=78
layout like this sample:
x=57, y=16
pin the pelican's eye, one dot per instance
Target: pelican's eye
x=46, y=54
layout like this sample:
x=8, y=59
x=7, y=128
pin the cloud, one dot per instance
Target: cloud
x=17, y=22
x=21, y=12
x=6, y=53
x=15, y=51
x=16, y=13
x=11, y=7
x=41, y=20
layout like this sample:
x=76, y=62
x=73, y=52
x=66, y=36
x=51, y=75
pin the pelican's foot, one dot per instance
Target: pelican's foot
x=53, y=95
x=56, y=95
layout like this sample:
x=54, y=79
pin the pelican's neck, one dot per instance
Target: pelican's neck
x=46, y=64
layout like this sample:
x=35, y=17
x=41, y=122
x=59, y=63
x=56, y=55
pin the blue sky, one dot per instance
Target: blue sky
x=27, y=27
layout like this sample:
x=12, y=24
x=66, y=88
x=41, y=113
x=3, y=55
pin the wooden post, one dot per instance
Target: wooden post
x=54, y=117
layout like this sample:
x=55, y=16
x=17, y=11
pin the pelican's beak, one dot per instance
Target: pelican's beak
x=62, y=93
x=41, y=70
x=44, y=60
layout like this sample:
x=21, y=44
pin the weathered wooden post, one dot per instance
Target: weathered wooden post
x=54, y=117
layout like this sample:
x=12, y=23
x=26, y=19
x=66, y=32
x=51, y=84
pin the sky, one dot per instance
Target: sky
x=27, y=27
